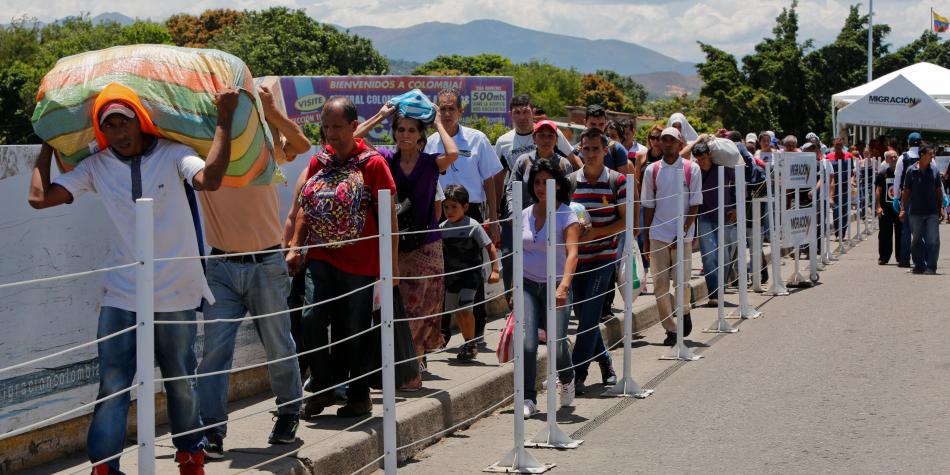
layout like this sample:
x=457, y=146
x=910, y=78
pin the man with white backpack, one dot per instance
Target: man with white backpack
x=663, y=181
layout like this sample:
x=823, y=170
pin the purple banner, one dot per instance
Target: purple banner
x=304, y=96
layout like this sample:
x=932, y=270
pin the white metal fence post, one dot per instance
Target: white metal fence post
x=756, y=251
x=746, y=310
x=840, y=206
x=627, y=386
x=551, y=436
x=722, y=326
x=518, y=460
x=775, y=248
x=387, y=355
x=145, y=334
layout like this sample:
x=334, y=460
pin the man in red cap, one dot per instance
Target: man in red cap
x=545, y=140
x=134, y=165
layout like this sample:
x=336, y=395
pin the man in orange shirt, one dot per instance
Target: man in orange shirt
x=239, y=220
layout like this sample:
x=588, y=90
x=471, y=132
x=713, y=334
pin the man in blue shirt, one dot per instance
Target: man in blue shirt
x=922, y=198
x=616, y=159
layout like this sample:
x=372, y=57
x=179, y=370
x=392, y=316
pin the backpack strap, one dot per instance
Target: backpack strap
x=687, y=171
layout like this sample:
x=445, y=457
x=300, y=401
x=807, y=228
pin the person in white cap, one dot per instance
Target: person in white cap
x=137, y=165
x=662, y=183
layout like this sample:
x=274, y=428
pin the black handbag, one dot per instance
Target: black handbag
x=403, y=347
x=406, y=223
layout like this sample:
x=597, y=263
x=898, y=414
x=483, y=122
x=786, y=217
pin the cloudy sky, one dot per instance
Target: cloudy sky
x=671, y=27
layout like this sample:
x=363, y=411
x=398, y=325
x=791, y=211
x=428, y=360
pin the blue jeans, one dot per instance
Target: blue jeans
x=904, y=250
x=926, y=241
x=535, y=316
x=589, y=343
x=175, y=355
x=258, y=288
x=708, y=226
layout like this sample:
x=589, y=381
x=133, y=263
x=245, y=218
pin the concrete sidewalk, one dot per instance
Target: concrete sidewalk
x=455, y=396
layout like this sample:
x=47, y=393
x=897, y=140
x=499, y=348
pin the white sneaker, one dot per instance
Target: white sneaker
x=530, y=409
x=567, y=393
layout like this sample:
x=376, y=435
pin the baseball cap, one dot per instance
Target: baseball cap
x=672, y=132
x=545, y=123
x=914, y=138
x=811, y=137
x=115, y=107
x=751, y=137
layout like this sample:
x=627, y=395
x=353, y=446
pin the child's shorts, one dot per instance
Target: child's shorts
x=462, y=298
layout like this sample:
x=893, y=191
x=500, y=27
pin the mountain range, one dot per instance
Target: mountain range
x=660, y=74
x=410, y=46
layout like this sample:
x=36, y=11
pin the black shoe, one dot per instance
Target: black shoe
x=670, y=339
x=687, y=325
x=881, y=262
x=316, y=404
x=917, y=271
x=214, y=449
x=285, y=429
x=905, y=265
x=467, y=352
x=356, y=408
x=607, y=373
x=579, y=387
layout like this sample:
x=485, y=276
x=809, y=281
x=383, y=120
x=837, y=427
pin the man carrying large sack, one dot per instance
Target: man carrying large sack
x=137, y=164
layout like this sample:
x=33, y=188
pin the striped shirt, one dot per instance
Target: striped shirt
x=596, y=197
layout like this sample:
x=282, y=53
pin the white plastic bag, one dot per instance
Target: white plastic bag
x=639, y=274
x=724, y=152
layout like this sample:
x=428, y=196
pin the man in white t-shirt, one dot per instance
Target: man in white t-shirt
x=663, y=181
x=475, y=169
x=137, y=164
x=509, y=147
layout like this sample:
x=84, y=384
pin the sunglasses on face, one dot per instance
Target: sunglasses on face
x=654, y=137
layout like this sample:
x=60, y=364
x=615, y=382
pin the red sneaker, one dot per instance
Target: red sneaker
x=190, y=463
x=101, y=469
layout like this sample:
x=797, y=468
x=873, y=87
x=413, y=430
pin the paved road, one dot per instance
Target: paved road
x=852, y=376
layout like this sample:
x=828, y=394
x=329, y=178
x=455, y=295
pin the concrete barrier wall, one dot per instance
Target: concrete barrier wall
x=45, y=318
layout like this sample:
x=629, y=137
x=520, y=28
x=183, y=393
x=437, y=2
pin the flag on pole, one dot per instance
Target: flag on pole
x=941, y=24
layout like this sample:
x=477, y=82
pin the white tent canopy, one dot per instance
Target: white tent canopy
x=916, y=97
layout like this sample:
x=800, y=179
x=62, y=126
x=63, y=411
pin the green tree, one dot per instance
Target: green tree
x=928, y=48
x=490, y=128
x=458, y=65
x=28, y=52
x=550, y=87
x=634, y=92
x=145, y=32
x=597, y=90
x=197, y=31
x=734, y=103
x=698, y=111
x=284, y=42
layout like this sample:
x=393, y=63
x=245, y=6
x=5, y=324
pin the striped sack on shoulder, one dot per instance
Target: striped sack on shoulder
x=175, y=87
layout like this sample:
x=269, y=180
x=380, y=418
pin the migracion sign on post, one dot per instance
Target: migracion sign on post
x=799, y=170
x=797, y=226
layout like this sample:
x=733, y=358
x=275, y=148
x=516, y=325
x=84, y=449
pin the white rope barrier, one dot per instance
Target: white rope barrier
x=74, y=410
x=278, y=360
x=267, y=315
x=68, y=350
x=68, y=276
x=461, y=271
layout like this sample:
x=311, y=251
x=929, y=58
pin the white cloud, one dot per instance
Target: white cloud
x=671, y=27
